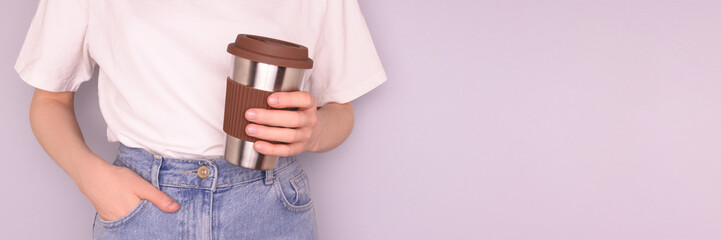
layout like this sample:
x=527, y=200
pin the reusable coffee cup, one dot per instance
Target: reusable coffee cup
x=261, y=66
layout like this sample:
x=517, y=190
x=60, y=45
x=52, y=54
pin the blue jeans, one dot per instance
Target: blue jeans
x=227, y=202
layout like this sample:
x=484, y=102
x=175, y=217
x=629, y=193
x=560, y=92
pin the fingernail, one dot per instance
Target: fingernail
x=259, y=146
x=250, y=115
x=251, y=130
x=173, y=205
x=273, y=100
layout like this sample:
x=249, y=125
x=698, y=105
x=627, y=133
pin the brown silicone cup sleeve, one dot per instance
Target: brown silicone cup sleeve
x=238, y=99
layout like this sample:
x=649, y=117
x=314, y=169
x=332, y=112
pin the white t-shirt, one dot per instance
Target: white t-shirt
x=163, y=64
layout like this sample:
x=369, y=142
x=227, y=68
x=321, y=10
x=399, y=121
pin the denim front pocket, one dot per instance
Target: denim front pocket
x=295, y=191
x=124, y=219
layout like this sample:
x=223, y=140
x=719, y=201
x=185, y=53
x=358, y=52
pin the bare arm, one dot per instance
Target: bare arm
x=114, y=191
x=335, y=122
x=52, y=118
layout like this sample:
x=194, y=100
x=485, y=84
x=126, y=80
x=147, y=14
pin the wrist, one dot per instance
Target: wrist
x=88, y=168
x=315, y=136
x=311, y=146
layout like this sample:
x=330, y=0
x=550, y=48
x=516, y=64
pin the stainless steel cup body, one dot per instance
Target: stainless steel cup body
x=265, y=77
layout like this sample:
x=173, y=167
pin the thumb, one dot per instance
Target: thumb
x=158, y=198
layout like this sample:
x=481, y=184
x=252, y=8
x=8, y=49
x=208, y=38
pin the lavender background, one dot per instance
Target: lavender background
x=500, y=120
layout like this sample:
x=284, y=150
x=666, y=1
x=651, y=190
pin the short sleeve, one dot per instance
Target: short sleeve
x=54, y=55
x=346, y=64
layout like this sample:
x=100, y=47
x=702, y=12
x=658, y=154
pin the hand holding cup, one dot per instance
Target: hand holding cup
x=294, y=128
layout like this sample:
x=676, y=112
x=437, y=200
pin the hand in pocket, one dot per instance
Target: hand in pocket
x=115, y=191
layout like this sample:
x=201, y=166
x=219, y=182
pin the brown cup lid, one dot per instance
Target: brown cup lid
x=271, y=51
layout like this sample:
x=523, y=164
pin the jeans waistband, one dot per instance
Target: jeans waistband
x=162, y=170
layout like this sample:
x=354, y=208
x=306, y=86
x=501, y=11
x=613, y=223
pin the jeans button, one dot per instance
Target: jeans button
x=203, y=172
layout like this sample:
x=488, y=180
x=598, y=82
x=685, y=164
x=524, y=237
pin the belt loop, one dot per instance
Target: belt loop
x=155, y=170
x=269, y=177
x=214, y=166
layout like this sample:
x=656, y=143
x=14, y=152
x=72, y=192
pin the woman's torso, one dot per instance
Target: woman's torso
x=163, y=64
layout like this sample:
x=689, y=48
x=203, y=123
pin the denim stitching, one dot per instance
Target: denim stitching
x=212, y=194
x=223, y=186
x=284, y=200
x=184, y=186
x=280, y=170
x=124, y=219
x=295, y=186
x=214, y=181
